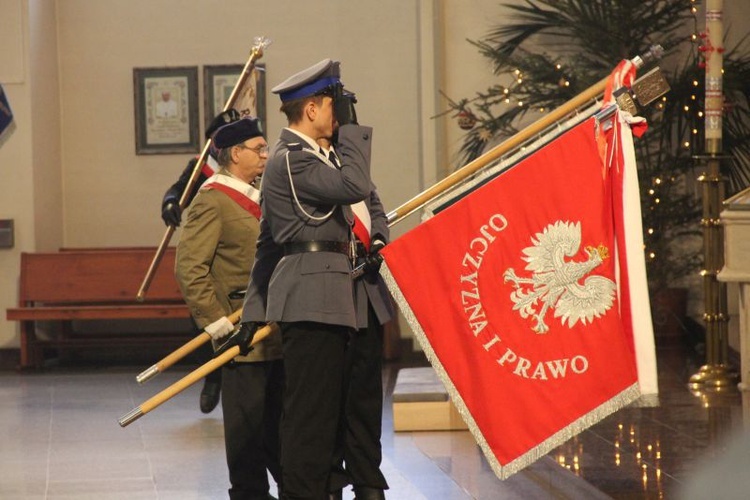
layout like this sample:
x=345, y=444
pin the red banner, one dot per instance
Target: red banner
x=513, y=293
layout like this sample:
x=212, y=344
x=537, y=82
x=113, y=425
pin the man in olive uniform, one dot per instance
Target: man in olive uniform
x=171, y=214
x=214, y=256
x=302, y=275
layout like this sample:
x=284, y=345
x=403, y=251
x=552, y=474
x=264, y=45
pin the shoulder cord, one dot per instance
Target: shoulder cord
x=294, y=192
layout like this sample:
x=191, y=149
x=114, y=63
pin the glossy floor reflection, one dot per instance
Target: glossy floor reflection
x=59, y=439
x=651, y=452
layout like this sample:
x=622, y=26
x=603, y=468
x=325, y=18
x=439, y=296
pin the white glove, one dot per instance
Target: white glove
x=220, y=328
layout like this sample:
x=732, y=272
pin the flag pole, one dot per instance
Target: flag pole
x=512, y=143
x=255, y=53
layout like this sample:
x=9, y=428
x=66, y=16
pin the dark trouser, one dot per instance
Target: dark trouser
x=314, y=369
x=203, y=355
x=361, y=424
x=364, y=406
x=251, y=403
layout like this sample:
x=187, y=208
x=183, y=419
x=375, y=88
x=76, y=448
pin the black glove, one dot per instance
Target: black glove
x=343, y=106
x=373, y=259
x=171, y=212
x=243, y=338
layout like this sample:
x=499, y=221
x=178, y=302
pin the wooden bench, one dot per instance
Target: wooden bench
x=95, y=284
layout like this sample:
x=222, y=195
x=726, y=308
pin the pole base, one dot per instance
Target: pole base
x=714, y=377
x=130, y=417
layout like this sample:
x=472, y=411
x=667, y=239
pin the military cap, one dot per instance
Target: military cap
x=310, y=81
x=228, y=116
x=237, y=132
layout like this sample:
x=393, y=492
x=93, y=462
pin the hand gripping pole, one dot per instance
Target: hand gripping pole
x=181, y=352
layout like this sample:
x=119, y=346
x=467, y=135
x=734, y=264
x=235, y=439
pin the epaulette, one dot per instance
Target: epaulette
x=295, y=146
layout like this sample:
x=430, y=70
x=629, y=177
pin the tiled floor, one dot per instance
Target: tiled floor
x=59, y=439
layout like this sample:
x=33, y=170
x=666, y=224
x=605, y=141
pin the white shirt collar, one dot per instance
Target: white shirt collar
x=309, y=140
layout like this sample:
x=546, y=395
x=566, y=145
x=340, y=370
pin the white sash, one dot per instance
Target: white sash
x=241, y=187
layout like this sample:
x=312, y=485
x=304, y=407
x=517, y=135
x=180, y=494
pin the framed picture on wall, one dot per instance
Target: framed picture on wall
x=218, y=84
x=166, y=110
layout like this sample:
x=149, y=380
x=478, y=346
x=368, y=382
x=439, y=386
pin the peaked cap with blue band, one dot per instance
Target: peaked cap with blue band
x=310, y=81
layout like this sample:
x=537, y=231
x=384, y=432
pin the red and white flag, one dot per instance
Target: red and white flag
x=521, y=294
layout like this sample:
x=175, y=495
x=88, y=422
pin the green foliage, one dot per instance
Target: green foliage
x=551, y=50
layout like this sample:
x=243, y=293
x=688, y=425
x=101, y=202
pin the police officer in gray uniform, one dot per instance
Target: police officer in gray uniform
x=361, y=424
x=301, y=278
x=363, y=411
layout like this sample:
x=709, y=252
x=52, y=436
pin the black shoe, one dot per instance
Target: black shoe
x=335, y=495
x=367, y=493
x=210, y=396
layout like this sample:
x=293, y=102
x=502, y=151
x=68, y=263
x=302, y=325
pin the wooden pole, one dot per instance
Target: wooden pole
x=512, y=143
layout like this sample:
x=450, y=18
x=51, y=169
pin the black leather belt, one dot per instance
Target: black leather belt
x=316, y=246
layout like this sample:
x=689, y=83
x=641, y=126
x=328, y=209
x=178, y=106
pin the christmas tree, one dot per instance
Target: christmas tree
x=548, y=51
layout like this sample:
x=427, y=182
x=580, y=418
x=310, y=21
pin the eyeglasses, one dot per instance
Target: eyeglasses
x=259, y=150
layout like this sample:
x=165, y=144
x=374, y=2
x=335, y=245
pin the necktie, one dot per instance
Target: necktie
x=332, y=158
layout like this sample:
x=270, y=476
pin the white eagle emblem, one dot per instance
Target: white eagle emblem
x=555, y=282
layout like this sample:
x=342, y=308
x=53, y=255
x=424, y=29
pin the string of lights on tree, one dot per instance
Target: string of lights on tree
x=533, y=82
x=684, y=107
